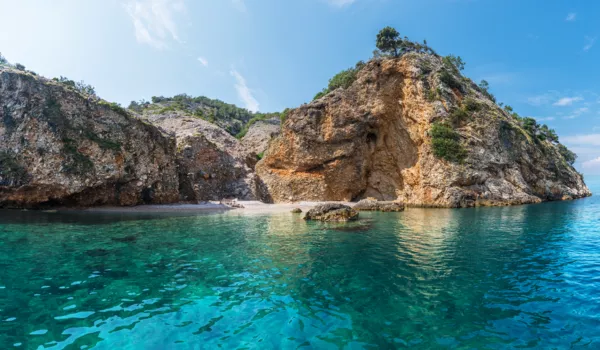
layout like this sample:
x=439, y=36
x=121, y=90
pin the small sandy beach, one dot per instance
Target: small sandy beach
x=250, y=207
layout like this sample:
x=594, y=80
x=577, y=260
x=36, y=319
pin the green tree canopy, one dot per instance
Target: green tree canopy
x=485, y=85
x=456, y=61
x=388, y=41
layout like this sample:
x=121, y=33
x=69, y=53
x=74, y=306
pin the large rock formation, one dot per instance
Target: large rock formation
x=331, y=212
x=260, y=134
x=212, y=164
x=62, y=147
x=370, y=204
x=374, y=139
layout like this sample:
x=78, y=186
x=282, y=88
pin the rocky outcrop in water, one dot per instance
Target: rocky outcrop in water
x=212, y=164
x=331, y=212
x=375, y=205
x=62, y=147
x=413, y=129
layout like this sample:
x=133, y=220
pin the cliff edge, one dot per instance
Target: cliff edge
x=62, y=147
x=414, y=129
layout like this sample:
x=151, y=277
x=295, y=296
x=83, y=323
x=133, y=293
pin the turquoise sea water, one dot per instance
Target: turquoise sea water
x=486, y=278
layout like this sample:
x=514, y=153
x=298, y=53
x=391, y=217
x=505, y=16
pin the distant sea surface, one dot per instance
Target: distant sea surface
x=485, y=278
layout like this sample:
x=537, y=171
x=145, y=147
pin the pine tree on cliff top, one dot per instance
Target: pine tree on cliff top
x=388, y=41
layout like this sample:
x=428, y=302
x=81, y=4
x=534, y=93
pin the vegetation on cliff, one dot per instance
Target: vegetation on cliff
x=446, y=141
x=408, y=125
x=62, y=145
x=227, y=116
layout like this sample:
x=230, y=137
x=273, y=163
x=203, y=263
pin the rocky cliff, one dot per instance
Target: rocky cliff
x=229, y=117
x=212, y=164
x=62, y=147
x=414, y=129
x=260, y=134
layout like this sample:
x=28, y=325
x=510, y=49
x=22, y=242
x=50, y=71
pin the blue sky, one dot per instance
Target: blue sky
x=538, y=56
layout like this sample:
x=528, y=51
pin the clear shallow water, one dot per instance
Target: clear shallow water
x=493, y=278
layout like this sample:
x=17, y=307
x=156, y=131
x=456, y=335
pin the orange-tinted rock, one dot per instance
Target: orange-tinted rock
x=373, y=140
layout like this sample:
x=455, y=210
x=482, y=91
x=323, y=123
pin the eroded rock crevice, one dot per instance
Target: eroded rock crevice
x=374, y=139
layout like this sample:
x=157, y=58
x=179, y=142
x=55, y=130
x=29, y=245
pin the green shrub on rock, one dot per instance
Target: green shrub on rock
x=459, y=116
x=471, y=105
x=454, y=61
x=567, y=154
x=446, y=143
x=342, y=80
x=449, y=80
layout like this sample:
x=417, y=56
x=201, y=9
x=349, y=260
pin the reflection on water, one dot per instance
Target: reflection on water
x=476, y=278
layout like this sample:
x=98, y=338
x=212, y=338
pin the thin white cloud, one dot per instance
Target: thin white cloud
x=545, y=119
x=589, y=42
x=203, y=60
x=341, y=3
x=571, y=17
x=239, y=5
x=540, y=100
x=576, y=113
x=592, y=166
x=154, y=21
x=244, y=92
x=583, y=140
x=567, y=101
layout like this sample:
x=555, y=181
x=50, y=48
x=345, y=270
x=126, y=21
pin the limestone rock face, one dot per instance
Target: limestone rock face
x=59, y=147
x=331, y=212
x=260, y=134
x=212, y=164
x=373, y=139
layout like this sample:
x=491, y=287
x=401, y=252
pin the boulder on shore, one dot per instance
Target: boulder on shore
x=375, y=205
x=331, y=212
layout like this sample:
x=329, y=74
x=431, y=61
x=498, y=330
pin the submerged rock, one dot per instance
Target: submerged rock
x=375, y=205
x=358, y=227
x=331, y=212
x=296, y=211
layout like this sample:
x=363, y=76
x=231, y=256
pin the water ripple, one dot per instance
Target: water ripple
x=490, y=278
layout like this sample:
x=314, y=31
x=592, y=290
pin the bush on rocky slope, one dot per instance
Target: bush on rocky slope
x=384, y=134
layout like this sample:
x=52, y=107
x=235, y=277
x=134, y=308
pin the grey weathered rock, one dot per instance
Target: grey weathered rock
x=373, y=139
x=375, y=205
x=260, y=134
x=331, y=212
x=212, y=163
x=59, y=147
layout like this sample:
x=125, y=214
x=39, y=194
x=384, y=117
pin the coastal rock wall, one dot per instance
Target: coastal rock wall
x=374, y=139
x=61, y=147
x=260, y=134
x=212, y=164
